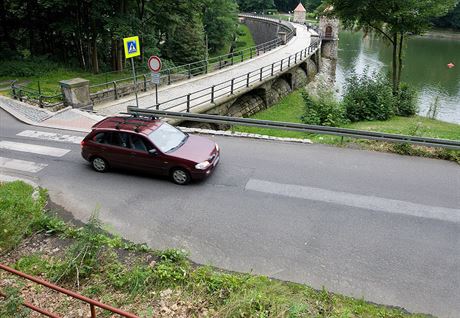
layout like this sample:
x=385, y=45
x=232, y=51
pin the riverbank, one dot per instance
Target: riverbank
x=443, y=34
x=137, y=279
x=291, y=108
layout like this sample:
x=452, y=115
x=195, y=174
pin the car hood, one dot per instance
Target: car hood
x=196, y=148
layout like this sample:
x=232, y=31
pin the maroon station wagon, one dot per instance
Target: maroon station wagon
x=151, y=145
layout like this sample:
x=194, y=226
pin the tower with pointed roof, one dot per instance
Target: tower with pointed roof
x=299, y=13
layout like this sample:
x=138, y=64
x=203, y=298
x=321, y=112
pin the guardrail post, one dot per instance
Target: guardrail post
x=145, y=83
x=231, y=86
x=189, y=72
x=115, y=89
x=40, y=101
x=264, y=46
x=212, y=94
x=281, y=67
x=261, y=70
x=289, y=61
x=206, y=68
x=295, y=59
x=242, y=56
x=169, y=76
x=250, y=53
x=232, y=58
x=188, y=103
x=20, y=94
x=157, y=106
x=93, y=310
x=247, y=80
x=220, y=62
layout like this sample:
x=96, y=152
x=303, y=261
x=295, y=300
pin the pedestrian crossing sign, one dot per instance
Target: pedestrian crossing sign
x=132, y=47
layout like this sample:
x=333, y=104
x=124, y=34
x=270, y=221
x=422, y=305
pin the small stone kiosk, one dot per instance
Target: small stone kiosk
x=299, y=13
x=76, y=93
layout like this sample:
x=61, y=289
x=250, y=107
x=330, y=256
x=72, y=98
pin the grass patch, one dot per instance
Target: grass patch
x=245, y=39
x=159, y=283
x=20, y=213
x=291, y=108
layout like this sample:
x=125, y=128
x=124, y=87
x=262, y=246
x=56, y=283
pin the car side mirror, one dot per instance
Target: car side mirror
x=153, y=152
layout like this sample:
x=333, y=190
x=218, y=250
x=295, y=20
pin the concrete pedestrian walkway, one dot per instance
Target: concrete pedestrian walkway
x=67, y=118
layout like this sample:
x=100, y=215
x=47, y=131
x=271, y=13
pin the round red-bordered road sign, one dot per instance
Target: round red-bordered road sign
x=154, y=64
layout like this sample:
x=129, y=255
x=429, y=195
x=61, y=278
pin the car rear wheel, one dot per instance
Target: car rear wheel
x=180, y=176
x=99, y=164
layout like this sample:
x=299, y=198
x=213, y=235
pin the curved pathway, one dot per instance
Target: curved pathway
x=298, y=42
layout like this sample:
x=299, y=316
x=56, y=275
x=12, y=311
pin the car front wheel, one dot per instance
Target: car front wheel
x=99, y=164
x=180, y=176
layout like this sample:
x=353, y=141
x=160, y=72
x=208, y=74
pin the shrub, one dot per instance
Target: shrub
x=37, y=66
x=368, y=97
x=406, y=101
x=323, y=110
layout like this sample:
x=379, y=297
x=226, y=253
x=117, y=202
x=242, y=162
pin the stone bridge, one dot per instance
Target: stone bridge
x=244, y=88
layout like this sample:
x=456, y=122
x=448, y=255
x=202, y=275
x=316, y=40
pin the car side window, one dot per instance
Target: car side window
x=120, y=139
x=137, y=143
x=102, y=138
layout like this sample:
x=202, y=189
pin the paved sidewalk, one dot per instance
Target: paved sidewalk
x=67, y=118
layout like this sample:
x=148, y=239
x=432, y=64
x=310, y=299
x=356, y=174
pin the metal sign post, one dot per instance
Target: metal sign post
x=132, y=49
x=154, y=64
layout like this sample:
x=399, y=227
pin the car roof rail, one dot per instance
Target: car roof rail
x=138, y=116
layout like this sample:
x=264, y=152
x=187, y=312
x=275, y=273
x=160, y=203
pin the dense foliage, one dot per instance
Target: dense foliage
x=368, y=97
x=90, y=33
x=451, y=20
x=323, y=110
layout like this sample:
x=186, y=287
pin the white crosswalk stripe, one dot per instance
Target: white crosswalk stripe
x=50, y=136
x=41, y=150
x=21, y=165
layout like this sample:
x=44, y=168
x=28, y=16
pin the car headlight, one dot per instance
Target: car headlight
x=202, y=165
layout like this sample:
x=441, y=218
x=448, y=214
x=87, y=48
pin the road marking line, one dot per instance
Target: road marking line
x=355, y=200
x=41, y=150
x=50, y=136
x=21, y=165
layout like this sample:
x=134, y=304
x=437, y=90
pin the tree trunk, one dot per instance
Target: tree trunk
x=394, y=74
x=94, y=60
x=400, y=60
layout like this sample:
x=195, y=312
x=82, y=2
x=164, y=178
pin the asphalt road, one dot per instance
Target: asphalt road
x=367, y=224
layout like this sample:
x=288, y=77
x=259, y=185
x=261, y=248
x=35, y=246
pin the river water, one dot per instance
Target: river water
x=425, y=68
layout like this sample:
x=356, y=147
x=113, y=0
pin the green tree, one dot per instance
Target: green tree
x=220, y=22
x=451, y=20
x=255, y=5
x=394, y=20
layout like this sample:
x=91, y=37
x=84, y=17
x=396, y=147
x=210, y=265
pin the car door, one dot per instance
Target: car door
x=120, y=150
x=145, y=156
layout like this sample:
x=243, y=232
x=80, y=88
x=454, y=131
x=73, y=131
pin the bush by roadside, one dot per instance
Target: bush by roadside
x=152, y=283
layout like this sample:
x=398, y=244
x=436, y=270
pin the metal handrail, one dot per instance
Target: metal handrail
x=93, y=303
x=343, y=132
x=250, y=78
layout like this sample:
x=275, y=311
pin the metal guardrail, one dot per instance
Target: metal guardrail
x=341, y=132
x=187, y=71
x=92, y=303
x=229, y=87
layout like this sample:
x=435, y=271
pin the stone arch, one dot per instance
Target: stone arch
x=279, y=89
x=247, y=105
x=288, y=78
x=300, y=77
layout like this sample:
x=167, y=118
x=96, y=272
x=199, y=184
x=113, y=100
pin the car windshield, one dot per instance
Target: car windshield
x=167, y=138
